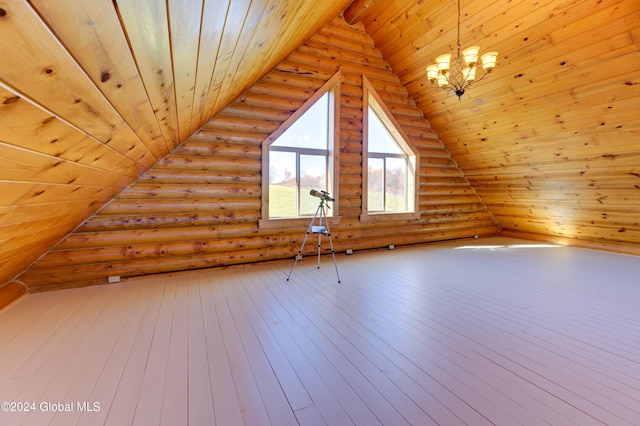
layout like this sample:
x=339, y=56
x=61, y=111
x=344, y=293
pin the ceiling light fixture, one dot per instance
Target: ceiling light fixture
x=457, y=72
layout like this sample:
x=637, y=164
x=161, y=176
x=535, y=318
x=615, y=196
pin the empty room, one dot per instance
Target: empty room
x=348, y=212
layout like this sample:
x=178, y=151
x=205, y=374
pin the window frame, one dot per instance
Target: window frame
x=372, y=99
x=332, y=86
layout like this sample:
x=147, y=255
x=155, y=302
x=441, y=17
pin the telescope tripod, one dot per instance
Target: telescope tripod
x=321, y=229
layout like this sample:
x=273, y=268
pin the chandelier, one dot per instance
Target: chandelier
x=458, y=72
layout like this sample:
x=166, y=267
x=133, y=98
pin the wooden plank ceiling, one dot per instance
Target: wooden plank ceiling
x=551, y=140
x=94, y=93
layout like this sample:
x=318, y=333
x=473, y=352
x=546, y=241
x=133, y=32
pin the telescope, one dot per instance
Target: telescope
x=324, y=195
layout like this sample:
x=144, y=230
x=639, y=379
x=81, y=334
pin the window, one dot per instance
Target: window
x=301, y=158
x=390, y=161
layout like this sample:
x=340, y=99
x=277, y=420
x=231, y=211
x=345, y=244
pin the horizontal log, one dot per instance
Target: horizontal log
x=207, y=149
x=278, y=91
x=333, y=54
x=210, y=163
x=181, y=191
x=455, y=190
x=389, y=87
x=251, y=125
x=435, y=171
x=444, y=181
x=172, y=176
x=452, y=209
x=424, y=140
x=373, y=238
x=212, y=134
x=298, y=79
x=211, y=206
x=59, y=275
x=431, y=200
x=258, y=100
x=346, y=46
x=119, y=253
x=341, y=30
x=246, y=112
x=433, y=161
x=131, y=238
x=296, y=69
x=53, y=278
x=308, y=58
x=350, y=163
x=128, y=222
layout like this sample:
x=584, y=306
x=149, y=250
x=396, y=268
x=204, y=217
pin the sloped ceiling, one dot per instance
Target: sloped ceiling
x=551, y=140
x=93, y=93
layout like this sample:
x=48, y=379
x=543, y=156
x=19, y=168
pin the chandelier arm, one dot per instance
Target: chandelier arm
x=485, y=75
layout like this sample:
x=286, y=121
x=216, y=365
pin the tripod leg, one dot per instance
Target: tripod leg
x=333, y=253
x=319, y=244
x=299, y=255
x=321, y=210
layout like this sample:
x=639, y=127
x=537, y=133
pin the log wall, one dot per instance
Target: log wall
x=200, y=206
x=550, y=139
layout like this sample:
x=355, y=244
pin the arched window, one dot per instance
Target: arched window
x=298, y=162
x=301, y=156
x=390, y=162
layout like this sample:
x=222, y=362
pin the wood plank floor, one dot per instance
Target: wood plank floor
x=493, y=331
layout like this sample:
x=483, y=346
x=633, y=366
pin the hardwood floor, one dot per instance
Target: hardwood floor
x=494, y=331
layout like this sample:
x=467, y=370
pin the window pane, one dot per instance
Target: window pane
x=380, y=140
x=375, y=182
x=313, y=175
x=396, y=184
x=310, y=130
x=282, y=184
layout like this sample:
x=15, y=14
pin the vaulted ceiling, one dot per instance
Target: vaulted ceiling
x=93, y=93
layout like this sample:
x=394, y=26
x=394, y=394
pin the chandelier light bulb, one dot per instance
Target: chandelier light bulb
x=443, y=62
x=469, y=74
x=489, y=60
x=432, y=73
x=471, y=55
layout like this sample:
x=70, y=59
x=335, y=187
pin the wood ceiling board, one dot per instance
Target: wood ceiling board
x=213, y=21
x=27, y=166
x=32, y=128
x=146, y=27
x=46, y=73
x=92, y=33
x=185, y=18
